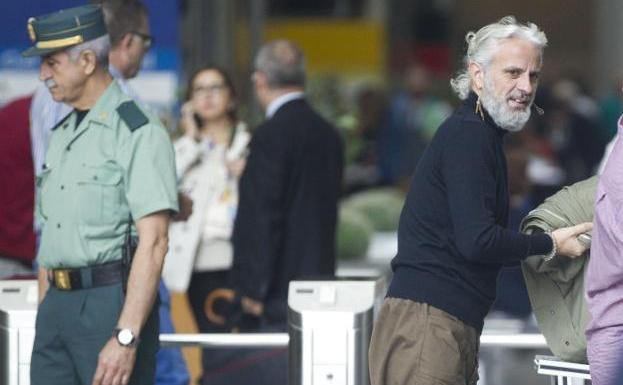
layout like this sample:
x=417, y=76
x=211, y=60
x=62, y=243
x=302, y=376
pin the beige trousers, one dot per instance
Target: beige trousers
x=417, y=344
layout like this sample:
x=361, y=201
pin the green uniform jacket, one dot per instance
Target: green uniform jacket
x=556, y=288
x=118, y=160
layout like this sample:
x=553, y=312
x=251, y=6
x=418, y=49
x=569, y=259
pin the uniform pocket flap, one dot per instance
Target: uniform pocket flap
x=101, y=175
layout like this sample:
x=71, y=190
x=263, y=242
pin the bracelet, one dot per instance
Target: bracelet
x=549, y=256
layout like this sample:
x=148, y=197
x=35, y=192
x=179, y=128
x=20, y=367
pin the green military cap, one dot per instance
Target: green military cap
x=65, y=28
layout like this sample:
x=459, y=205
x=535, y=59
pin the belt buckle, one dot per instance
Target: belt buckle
x=61, y=278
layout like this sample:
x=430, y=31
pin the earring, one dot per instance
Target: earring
x=538, y=109
x=479, y=109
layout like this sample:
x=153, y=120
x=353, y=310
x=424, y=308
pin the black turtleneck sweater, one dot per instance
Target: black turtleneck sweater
x=452, y=237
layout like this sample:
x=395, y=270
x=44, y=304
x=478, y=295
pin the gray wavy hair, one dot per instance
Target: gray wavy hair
x=100, y=46
x=481, y=47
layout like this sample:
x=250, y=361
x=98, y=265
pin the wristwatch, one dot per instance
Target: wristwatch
x=125, y=337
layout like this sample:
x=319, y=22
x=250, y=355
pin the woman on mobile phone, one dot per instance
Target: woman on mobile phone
x=210, y=157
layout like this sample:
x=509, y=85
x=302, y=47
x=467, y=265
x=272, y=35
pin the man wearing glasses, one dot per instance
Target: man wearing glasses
x=128, y=29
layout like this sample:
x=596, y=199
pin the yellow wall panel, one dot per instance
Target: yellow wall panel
x=347, y=47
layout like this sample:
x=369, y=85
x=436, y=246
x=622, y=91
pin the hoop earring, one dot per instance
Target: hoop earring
x=478, y=110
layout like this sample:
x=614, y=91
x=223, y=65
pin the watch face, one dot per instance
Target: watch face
x=125, y=337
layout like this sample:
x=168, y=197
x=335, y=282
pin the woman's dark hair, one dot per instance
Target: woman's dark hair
x=232, y=107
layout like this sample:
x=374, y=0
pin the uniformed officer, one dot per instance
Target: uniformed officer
x=108, y=162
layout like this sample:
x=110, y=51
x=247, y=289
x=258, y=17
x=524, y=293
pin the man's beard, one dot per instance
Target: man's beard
x=499, y=110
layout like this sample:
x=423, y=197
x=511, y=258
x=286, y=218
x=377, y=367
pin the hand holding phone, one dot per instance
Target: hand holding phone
x=190, y=121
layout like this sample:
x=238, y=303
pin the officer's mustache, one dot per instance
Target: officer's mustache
x=49, y=83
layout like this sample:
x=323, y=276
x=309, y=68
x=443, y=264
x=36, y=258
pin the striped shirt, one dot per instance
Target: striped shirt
x=604, y=276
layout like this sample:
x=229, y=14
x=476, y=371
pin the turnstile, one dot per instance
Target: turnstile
x=330, y=325
x=18, y=310
x=562, y=372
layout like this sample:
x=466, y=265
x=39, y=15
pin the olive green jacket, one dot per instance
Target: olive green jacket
x=556, y=288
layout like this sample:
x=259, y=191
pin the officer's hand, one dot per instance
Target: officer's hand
x=567, y=239
x=115, y=364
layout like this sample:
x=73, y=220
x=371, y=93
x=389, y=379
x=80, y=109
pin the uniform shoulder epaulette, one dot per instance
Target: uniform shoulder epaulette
x=62, y=121
x=131, y=115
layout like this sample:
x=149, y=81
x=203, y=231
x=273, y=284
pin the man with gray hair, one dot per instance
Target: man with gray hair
x=128, y=30
x=287, y=212
x=452, y=236
x=127, y=23
x=109, y=175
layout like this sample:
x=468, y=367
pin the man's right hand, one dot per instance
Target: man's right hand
x=114, y=364
x=224, y=307
x=567, y=239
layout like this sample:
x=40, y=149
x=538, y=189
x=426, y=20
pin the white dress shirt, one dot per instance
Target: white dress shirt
x=281, y=100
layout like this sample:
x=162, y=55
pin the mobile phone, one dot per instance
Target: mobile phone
x=198, y=119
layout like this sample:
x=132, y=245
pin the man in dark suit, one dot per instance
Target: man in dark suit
x=287, y=211
x=285, y=227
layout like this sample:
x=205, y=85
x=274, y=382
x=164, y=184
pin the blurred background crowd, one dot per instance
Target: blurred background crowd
x=379, y=71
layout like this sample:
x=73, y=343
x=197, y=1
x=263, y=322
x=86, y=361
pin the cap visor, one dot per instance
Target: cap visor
x=34, y=51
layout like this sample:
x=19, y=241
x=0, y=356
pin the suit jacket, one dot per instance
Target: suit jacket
x=287, y=210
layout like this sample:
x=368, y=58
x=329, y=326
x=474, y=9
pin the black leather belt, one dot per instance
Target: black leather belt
x=86, y=277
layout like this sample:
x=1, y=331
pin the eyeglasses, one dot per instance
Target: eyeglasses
x=148, y=40
x=212, y=89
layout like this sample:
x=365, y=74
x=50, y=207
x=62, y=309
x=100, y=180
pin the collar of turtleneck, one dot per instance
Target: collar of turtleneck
x=470, y=104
